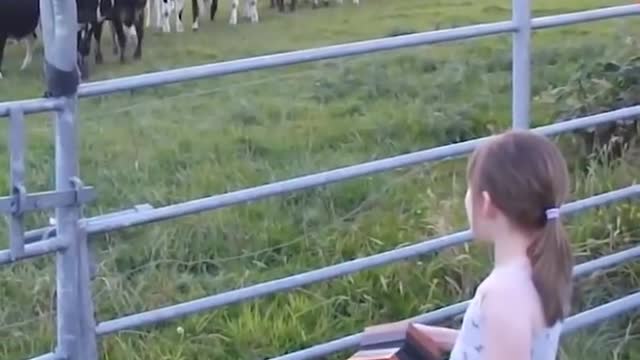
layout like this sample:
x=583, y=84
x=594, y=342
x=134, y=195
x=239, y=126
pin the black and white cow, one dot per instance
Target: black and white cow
x=165, y=10
x=126, y=18
x=18, y=21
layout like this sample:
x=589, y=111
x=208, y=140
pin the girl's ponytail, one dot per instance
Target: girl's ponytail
x=552, y=263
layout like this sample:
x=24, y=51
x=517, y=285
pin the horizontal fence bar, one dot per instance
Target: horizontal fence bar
x=33, y=250
x=341, y=174
x=47, y=200
x=576, y=322
x=30, y=106
x=50, y=232
x=291, y=58
x=343, y=50
x=601, y=313
x=545, y=22
x=329, y=272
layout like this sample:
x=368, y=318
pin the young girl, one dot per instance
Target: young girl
x=517, y=182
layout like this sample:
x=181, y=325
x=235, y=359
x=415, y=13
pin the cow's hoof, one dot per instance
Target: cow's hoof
x=137, y=56
x=99, y=58
x=0, y=75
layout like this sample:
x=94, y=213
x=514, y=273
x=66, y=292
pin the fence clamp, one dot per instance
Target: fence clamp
x=16, y=225
x=82, y=196
x=18, y=200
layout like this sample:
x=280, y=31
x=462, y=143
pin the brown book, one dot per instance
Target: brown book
x=396, y=341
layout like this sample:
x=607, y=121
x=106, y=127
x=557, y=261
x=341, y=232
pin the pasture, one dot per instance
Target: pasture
x=185, y=141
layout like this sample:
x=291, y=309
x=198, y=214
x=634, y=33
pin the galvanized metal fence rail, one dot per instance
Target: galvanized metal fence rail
x=77, y=331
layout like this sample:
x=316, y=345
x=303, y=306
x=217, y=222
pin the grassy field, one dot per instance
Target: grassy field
x=191, y=140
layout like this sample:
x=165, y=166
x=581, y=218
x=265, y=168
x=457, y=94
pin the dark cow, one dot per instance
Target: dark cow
x=126, y=18
x=127, y=22
x=18, y=21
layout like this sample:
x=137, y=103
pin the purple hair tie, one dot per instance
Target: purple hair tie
x=552, y=213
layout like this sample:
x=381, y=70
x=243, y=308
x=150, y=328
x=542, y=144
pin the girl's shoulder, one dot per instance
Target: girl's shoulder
x=512, y=290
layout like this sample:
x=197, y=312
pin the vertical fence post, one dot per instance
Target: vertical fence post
x=17, y=143
x=75, y=322
x=521, y=68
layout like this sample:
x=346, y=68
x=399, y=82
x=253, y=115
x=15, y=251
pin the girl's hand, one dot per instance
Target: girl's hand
x=445, y=338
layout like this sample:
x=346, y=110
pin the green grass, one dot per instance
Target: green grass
x=186, y=141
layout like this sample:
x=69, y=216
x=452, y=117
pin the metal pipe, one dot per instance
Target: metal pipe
x=50, y=232
x=601, y=313
x=75, y=336
x=545, y=22
x=67, y=264
x=30, y=106
x=291, y=58
x=442, y=314
x=337, y=175
x=344, y=50
x=34, y=250
x=326, y=273
x=521, y=64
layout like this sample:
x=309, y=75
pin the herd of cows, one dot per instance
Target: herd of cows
x=19, y=20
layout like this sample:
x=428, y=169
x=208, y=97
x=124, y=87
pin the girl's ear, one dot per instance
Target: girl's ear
x=488, y=209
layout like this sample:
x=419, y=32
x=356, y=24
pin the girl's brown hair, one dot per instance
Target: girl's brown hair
x=525, y=174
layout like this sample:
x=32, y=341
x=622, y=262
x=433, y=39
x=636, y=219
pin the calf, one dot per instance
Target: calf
x=18, y=21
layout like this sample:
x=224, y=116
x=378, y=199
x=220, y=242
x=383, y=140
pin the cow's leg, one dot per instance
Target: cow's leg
x=179, y=9
x=195, y=9
x=292, y=5
x=147, y=13
x=3, y=43
x=315, y=4
x=120, y=37
x=140, y=35
x=28, y=56
x=357, y=2
x=114, y=38
x=158, y=5
x=165, y=15
x=97, y=35
x=213, y=9
x=233, y=19
x=253, y=10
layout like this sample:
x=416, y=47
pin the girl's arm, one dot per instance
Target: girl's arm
x=445, y=338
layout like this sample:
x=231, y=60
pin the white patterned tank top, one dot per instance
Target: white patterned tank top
x=470, y=344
